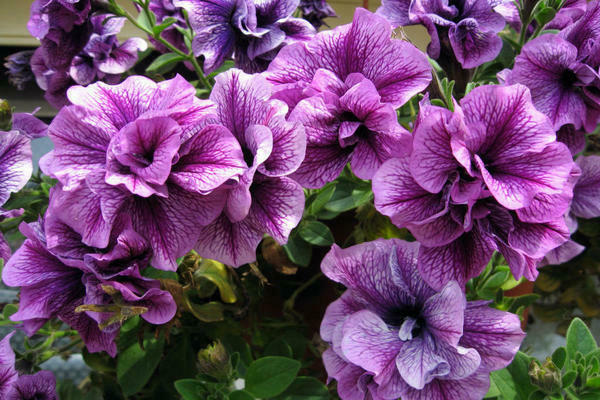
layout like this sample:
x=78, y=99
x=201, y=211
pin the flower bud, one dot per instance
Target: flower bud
x=215, y=361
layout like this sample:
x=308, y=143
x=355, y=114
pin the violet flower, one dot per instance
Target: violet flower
x=392, y=335
x=488, y=177
x=467, y=29
x=18, y=68
x=263, y=200
x=164, y=9
x=103, y=58
x=344, y=85
x=141, y=149
x=563, y=72
x=568, y=14
x=315, y=11
x=15, y=170
x=61, y=277
x=252, y=31
x=41, y=385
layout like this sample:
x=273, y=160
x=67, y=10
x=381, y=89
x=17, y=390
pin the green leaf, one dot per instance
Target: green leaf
x=317, y=233
x=513, y=381
x=568, y=379
x=298, y=250
x=236, y=344
x=579, y=338
x=9, y=310
x=135, y=366
x=164, y=63
x=321, y=199
x=154, y=273
x=147, y=21
x=545, y=15
x=228, y=64
x=493, y=391
x=270, y=376
x=349, y=195
x=537, y=395
x=240, y=395
x=593, y=383
x=190, y=389
x=305, y=388
x=168, y=21
x=559, y=357
x=218, y=274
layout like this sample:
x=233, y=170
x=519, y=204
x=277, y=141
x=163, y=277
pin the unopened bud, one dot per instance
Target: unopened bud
x=5, y=116
x=546, y=376
x=215, y=361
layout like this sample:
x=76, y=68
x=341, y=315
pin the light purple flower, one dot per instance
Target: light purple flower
x=563, y=72
x=103, y=57
x=467, y=29
x=263, y=200
x=41, y=385
x=141, y=149
x=315, y=11
x=392, y=335
x=252, y=31
x=15, y=170
x=489, y=176
x=396, y=68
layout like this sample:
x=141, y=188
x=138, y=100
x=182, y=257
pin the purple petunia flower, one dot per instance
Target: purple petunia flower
x=41, y=385
x=392, y=335
x=315, y=11
x=164, y=9
x=467, y=29
x=563, y=72
x=15, y=167
x=568, y=13
x=18, y=68
x=489, y=176
x=60, y=277
x=263, y=200
x=141, y=149
x=344, y=87
x=252, y=31
x=103, y=58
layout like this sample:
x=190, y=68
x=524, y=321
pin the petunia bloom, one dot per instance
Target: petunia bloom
x=164, y=9
x=263, y=200
x=563, y=72
x=315, y=11
x=488, y=177
x=141, y=149
x=252, y=31
x=18, y=68
x=392, y=336
x=466, y=29
x=41, y=385
x=344, y=86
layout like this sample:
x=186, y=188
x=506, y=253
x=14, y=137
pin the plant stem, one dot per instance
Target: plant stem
x=289, y=303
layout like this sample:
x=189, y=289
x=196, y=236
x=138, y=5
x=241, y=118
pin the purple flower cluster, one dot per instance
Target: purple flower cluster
x=77, y=48
x=563, y=72
x=392, y=335
x=252, y=31
x=468, y=29
x=345, y=86
x=41, y=385
x=487, y=177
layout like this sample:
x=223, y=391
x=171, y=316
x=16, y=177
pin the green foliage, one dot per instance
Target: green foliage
x=570, y=373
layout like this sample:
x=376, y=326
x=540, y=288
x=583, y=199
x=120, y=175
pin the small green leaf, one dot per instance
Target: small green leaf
x=593, y=383
x=317, y=233
x=305, y=388
x=559, y=357
x=190, y=389
x=513, y=381
x=348, y=195
x=240, y=395
x=568, y=379
x=579, y=338
x=9, y=310
x=278, y=347
x=270, y=376
x=135, y=366
x=164, y=63
x=321, y=199
x=298, y=250
x=168, y=21
x=537, y=395
x=545, y=15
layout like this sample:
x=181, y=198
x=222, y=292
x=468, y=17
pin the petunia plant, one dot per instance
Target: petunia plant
x=250, y=200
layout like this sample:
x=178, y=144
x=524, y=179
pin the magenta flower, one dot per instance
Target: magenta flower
x=489, y=176
x=467, y=29
x=41, y=385
x=253, y=32
x=563, y=72
x=344, y=87
x=141, y=149
x=263, y=200
x=392, y=335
